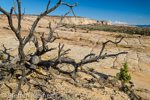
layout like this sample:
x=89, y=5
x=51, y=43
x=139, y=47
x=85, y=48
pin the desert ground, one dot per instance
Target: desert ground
x=82, y=43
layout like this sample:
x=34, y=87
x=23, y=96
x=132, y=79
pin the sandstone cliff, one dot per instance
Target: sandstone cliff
x=70, y=20
x=80, y=21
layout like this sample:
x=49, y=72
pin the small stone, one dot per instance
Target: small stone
x=33, y=66
x=110, y=78
x=146, y=90
x=35, y=59
x=119, y=83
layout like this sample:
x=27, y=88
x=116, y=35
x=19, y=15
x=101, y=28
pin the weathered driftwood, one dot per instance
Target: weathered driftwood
x=28, y=63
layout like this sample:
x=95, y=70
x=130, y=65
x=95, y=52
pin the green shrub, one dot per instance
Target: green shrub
x=113, y=28
x=123, y=75
x=1, y=55
x=73, y=26
x=39, y=26
x=120, y=35
x=75, y=30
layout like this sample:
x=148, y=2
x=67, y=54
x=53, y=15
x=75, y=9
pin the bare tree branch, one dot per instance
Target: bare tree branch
x=48, y=5
x=20, y=82
x=89, y=55
x=38, y=19
x=6, y=79
x=19, y=85
x=23, y=14
x=11, y=11
x=28, y=85
x=73, y=12
x=108, y=42
x=58, y=25
x=15, y=9
x=43, y=14
x=11, y=23
x=69, y=5
x=111, y=55
x=43, y=42
x=35, y=41
x=50, y=27
x=9, y=16
x=19, y=16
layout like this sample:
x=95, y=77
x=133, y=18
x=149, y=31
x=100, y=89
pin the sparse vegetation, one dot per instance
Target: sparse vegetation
x=114, y=28
x=120, y=35
x=39, y=26
x=123, y=75
x=1, y=55
x=125, y=36
x=75, y=30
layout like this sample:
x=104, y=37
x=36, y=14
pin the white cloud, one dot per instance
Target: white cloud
x=119, y=23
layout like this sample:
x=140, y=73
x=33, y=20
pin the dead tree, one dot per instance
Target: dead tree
x=34, y=60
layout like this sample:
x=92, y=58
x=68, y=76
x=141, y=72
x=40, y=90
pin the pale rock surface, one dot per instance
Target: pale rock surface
x=81, y=44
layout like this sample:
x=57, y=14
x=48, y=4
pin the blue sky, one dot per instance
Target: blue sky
x=116, y=11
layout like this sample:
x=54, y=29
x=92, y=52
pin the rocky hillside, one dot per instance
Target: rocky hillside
x=82, y=43
x=80, y=21
x=67, y=20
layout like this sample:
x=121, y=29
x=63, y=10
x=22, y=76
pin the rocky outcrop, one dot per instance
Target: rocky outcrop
x=138, y=49
x=76, y=20
x=104, y=22
x=66, y=20
x=81, y=21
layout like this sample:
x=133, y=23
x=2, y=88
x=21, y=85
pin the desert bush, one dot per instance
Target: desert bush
x=73, y=26
x=113, y=28
x=123, y=75
x=120, y=35
x=1, y=55
x=39, y=26
x=75, y=29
